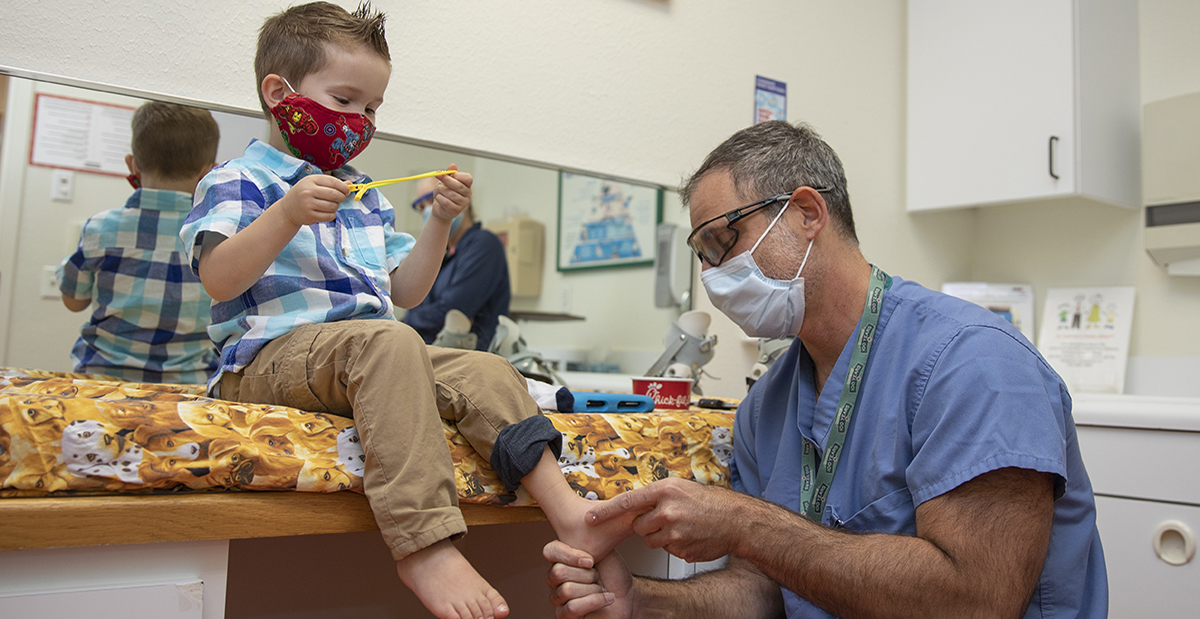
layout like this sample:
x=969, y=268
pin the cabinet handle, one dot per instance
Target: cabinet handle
x=1174, y=542
x=1053, y=139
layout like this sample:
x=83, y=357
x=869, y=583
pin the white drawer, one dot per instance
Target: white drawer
x=1144, y=464
x=1140, y=584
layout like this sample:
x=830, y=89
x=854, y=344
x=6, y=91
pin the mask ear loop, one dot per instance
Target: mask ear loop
x=773, y=222
x=764, y=235
x=289, y=85
x=805, y=261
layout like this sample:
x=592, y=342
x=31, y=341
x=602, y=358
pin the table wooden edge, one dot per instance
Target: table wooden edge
x=133, y=519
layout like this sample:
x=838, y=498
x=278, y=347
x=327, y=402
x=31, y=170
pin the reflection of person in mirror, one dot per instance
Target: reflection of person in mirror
x=473, y=278
x=305, y=280
x=947, y=482
x=125, y=253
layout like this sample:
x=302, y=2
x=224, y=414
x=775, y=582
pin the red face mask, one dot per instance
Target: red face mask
x=319, y=135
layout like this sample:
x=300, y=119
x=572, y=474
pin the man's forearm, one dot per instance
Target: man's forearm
x=856, y=576
x=738, y=591
x=979, y=553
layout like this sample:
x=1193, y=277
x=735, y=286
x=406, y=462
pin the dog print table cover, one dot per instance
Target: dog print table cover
x=65, y=434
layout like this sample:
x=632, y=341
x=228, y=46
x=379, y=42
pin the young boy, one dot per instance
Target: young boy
x=305, y=279
x=150, y=310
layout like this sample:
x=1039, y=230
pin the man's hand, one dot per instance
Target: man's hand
x=579, y=592
x=315, y=198
x=692, y=521
x=452, y=194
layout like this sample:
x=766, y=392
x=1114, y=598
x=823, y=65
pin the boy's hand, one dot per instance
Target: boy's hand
x=314, y=199
x=452, y=195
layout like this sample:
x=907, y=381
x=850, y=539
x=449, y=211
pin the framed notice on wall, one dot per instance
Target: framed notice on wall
x=80, y=135
x=605, y=223
x=1085, y=336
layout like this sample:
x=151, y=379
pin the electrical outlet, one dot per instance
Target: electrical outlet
x=49, y=284
x=62, y=185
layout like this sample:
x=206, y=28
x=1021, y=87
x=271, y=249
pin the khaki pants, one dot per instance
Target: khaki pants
x=381, y=374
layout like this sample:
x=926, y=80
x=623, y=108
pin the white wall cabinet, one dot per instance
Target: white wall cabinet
x=1022, y=100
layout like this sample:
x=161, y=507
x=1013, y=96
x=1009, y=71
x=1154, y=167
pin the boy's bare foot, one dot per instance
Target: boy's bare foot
x=448, y=586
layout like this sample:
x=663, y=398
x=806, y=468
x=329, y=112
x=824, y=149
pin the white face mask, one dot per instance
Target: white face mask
x=760, y=305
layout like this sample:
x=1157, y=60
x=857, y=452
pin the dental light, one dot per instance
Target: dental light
x=688, y=349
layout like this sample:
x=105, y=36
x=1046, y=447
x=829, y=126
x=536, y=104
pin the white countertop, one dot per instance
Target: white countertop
x=1137, y=411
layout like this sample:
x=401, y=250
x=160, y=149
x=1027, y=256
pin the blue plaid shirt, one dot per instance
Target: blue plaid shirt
x=339, y=270
x=151, y=312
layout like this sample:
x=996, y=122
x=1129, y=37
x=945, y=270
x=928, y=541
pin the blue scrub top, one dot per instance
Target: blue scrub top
x=951, y=391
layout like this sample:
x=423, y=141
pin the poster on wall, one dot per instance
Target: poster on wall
x=80, y=135
x=1085, y=336
x=770, y=99
x=605, y=223
x=1012, y=302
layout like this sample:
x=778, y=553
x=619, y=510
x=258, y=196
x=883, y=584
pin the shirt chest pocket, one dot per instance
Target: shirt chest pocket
x=362, y=243
x=893, y=513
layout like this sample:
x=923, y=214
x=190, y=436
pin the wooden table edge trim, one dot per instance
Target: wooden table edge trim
x=135, y=519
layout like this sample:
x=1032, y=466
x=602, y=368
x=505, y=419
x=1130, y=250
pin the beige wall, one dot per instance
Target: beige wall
x=643, y=90
x=631, y=88
x=1055, y=245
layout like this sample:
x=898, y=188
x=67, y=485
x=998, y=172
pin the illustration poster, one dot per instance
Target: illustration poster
x=605, y=223
x=770, y=99
x=1085, y=336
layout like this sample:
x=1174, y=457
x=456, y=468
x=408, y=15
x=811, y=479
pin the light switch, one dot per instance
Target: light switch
x=49, y=285
x=74, y=229
x=62, y=185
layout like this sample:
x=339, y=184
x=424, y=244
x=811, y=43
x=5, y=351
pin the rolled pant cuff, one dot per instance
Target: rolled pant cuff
x=454, y=528
x=519, y=448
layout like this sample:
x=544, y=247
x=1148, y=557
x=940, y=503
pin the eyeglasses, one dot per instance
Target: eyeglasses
x=712, y=243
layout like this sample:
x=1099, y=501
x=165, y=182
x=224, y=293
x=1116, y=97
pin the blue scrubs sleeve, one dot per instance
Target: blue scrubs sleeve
x=989, y=402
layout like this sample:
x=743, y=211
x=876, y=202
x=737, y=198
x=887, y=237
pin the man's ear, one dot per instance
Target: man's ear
x=274, y=89
x=809, y=203
x=131, y=164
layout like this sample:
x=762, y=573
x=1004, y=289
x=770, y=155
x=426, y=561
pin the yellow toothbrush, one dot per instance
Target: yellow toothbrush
x=361, y=188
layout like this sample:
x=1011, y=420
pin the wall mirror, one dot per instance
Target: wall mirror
x=620, y=325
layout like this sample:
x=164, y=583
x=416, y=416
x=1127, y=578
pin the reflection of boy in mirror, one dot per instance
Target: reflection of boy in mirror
x=473, y=278
x=150, y=310
x=305, y=280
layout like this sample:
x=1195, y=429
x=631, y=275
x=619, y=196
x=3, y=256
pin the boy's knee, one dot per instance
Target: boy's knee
x=392, y=334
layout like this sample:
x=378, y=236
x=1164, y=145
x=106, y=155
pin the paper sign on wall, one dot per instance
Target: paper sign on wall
x=1012, y=302
x=770, y=100
x=1085, y=336
x=81, y=135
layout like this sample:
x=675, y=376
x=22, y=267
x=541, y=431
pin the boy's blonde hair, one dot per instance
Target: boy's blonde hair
x=174, y=141
x=292, y=43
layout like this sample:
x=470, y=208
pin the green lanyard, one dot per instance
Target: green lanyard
x=814, y=492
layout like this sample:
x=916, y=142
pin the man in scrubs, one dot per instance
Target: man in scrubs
x=911, y=455
x=473, y=278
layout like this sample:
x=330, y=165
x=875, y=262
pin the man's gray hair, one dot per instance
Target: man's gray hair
x=775, y=157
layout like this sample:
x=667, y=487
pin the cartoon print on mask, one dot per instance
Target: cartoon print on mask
x=353, y=142
x=309, y=129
